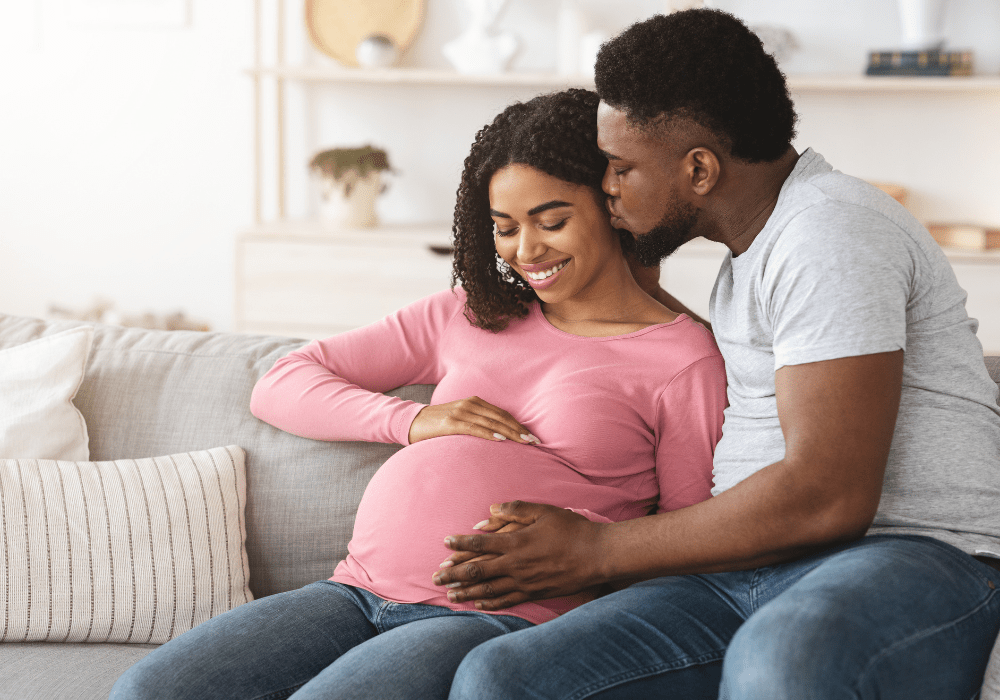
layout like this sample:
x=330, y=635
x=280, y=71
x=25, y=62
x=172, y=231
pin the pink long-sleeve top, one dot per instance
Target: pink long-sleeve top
x=628, y=426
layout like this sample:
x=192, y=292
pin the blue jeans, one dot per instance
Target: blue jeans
x=886, y=617
x=325, y=640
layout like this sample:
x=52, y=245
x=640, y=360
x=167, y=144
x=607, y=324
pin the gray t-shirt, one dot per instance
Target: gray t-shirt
x=840, y=269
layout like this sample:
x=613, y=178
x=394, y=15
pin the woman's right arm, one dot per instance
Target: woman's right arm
x=332, y=389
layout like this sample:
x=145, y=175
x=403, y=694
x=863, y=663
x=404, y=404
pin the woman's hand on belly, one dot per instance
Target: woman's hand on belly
x=471, y=416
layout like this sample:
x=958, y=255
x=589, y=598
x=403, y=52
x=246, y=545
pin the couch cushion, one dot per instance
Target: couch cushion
x=38, y=381
x=133, y=550
x=42, y=671
x=148, y=393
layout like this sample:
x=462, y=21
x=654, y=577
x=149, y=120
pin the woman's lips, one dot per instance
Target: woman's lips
x=548, y=281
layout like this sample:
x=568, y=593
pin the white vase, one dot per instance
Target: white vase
x=922, y=24
x=350, y=201
x=479, y=50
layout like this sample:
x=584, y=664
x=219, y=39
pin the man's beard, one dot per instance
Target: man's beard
x=667, y=236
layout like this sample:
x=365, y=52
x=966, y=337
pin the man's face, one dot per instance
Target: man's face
x=642, y=186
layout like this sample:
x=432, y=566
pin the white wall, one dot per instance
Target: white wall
x=126, y=152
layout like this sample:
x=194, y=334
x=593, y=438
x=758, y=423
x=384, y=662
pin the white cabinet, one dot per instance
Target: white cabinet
x=294, y=280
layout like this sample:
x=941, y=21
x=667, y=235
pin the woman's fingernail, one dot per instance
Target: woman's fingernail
x=534, y=439
x=453, y=585
x=498, y=436
x=526, y=438
x=480, y=526
x=446, y=564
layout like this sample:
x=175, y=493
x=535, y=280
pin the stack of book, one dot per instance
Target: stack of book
x=943, y=63
x=965, y=236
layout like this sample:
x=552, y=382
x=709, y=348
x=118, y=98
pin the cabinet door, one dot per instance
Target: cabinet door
x=315, y=289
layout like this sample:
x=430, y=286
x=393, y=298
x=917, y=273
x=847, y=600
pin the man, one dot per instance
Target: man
x=849, y=547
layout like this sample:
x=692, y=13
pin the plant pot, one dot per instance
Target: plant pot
x=350, y=201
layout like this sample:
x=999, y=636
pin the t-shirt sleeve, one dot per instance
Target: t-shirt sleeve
x=689, y=425
x=836, y=284
x=332, y=389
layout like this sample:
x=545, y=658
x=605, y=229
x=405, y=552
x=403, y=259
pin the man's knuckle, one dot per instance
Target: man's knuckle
x=474, y=571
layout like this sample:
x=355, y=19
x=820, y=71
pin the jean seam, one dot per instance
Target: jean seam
x=645, y=671
x=917, y=637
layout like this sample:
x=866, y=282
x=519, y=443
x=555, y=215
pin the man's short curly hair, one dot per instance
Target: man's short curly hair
x=705, y=65
x=554, y=133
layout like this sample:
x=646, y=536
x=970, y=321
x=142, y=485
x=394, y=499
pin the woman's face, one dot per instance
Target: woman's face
x=553, y=233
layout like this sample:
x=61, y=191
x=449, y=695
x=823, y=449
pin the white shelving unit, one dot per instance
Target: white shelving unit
x=325, y=295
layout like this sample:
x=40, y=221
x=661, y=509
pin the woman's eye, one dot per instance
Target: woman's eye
x=506, y=232
x=554, y=227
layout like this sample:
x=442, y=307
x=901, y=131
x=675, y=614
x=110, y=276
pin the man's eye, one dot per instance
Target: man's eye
x=620, y=171
x=554, y=227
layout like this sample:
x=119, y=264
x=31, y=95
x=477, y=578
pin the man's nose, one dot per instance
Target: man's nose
x=609, y=183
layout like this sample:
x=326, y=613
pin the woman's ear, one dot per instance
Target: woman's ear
x=703, y=169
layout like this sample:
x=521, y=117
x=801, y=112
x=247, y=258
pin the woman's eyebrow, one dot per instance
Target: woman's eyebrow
x=554, y=204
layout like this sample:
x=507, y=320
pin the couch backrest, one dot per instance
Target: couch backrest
x=149, y=393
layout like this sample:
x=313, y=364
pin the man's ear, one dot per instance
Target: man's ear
x=703, y=170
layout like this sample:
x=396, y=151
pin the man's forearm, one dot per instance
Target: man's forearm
x=764, y=520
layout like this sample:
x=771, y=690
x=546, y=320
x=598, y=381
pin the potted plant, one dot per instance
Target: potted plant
x=351, y=179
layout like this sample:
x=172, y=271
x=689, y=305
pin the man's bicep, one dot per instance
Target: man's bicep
x=838, y=418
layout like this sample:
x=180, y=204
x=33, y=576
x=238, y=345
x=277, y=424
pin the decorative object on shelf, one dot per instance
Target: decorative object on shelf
x=103, y=311
x=928, y=63
x=778, y=41
x=376, y=51
x=965, y=236
x=922, y=24
x=897, y=192
x=351, y=179
x=339, y=27
x=480, y=50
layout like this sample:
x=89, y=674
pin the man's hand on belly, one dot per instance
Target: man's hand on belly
x=471, y=416
x=551, y=554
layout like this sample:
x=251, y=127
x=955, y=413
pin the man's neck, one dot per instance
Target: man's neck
x=754, y=195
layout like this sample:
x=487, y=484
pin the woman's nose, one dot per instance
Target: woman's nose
x=530, y=245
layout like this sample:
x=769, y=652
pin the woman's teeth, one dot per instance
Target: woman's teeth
x=545, y=274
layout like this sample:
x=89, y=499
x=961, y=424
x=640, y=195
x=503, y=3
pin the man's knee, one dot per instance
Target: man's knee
x=783, y=652
x=492, y=670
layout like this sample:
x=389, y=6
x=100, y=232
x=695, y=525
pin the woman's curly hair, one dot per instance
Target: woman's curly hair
x=706, y=65
x=554, y=133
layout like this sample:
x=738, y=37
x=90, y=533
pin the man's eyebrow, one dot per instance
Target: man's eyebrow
x=609, y=156
x=554, y=204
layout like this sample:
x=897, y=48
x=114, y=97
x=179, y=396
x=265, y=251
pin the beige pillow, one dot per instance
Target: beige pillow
x=38, y=381
x=134, y=550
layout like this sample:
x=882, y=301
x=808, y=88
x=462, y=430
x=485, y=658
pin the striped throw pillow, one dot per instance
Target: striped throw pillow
x=134, y=550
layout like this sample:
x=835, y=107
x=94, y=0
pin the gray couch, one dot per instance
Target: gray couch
x=150, y=393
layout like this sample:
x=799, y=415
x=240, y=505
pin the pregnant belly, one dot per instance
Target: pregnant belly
x=444, y=486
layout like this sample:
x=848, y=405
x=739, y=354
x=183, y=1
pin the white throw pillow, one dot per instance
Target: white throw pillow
x=38, y=381
x=134, y=550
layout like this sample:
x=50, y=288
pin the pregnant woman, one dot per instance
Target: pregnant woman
x=558, y=380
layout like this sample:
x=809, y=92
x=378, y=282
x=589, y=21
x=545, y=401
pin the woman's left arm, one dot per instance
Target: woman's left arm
x=689, y=425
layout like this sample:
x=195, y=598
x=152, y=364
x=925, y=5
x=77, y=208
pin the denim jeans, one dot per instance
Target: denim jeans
x=325, y=640
x=886, y=617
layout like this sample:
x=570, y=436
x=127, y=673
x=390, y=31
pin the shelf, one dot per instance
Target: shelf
x=799, y=84
x=313, y=232
x=419, y=76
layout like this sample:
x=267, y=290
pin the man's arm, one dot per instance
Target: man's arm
x=837, y=417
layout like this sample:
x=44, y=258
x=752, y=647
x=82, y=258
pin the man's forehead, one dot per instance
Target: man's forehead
x=618, y=136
